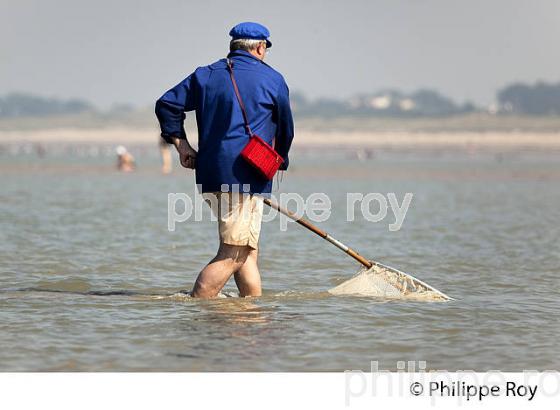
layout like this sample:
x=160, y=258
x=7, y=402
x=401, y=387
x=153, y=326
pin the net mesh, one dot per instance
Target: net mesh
x=385, y=282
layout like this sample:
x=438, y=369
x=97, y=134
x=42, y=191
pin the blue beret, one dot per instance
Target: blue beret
x=251, y=30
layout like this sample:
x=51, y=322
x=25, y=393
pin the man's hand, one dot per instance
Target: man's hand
x=187, y=154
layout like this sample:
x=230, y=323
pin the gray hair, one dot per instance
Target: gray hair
x=246, y=44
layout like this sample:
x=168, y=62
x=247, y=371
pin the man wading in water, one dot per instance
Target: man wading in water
x=221, y=137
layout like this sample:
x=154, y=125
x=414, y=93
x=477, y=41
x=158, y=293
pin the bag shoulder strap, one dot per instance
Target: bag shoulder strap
x=236, y=89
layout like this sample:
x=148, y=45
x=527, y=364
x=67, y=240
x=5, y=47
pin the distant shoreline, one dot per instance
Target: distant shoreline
x=307, y=138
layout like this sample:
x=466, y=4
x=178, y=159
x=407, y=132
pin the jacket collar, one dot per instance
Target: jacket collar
x=243, y=53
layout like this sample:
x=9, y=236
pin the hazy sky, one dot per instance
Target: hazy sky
x=131, y=51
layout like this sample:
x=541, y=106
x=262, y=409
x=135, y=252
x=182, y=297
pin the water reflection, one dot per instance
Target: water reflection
x=235, y=310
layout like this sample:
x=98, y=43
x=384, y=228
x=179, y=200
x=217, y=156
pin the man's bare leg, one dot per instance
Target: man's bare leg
x=214, y=276
x=248, y=278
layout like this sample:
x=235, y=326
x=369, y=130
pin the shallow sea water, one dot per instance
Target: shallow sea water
x=87, y=267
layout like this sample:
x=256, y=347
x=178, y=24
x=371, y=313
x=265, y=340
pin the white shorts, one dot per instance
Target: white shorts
x=239, y=217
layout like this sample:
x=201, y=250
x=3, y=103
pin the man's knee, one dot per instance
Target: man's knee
x=204, y=290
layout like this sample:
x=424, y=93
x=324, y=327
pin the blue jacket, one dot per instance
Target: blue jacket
x=221, y=131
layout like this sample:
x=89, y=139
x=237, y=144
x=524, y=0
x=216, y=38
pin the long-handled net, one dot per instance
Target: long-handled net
x=375, y=279
x=385, y=282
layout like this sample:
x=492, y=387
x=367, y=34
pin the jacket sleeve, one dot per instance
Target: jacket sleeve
x=171, y=108
x=285, y=124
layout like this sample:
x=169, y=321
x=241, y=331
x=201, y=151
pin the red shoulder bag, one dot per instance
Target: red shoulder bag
x=257, y=152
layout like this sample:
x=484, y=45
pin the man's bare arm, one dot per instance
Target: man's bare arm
x=187, y=154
